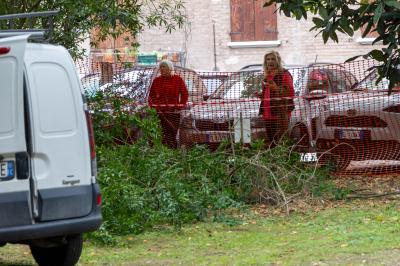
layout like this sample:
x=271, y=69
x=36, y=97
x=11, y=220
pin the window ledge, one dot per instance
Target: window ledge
x=365, y=41
x=256, y=44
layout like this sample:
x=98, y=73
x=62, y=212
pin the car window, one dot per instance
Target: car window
x=194, y=84
x=240, y=85
x=369, y=83
x=235, y=90
x=212, y=84
x=340, y=80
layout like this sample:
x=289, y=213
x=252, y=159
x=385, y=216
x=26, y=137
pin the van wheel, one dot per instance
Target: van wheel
x=300, y=137
x=66, y=255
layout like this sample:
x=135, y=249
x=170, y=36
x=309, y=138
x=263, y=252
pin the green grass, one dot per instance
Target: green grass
x=364, y=233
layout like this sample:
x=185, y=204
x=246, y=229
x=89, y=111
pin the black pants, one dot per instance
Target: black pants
x=170, y=125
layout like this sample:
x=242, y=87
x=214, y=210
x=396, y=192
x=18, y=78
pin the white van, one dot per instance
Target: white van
x=48, y=190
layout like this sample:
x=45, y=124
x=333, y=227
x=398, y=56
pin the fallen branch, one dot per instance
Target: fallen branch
x=372, y=195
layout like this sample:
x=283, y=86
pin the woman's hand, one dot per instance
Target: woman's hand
x=272, y=85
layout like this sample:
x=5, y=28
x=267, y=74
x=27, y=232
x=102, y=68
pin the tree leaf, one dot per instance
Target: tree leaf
x=323, y=12
x=334, y=36
x=325, y=36
x=378, y=13
x=344, y=24
x=318, y=22
x=394, y=4
x=377, y=55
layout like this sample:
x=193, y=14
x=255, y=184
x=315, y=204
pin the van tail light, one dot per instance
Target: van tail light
x=4, y=50
x=98, y=200
x=91, y=143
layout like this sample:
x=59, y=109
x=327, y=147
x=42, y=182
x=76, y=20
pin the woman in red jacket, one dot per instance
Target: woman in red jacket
x=168, y=95
x=277, y=97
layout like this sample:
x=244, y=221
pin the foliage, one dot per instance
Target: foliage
x=77, y=19
x=145, y=184
x=382, y=16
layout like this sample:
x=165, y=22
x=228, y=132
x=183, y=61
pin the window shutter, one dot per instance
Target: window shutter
x=242, y=20
x=265, y=22
x=250, y=21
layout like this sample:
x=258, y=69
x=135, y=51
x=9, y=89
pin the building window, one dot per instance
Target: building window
x=250, y=21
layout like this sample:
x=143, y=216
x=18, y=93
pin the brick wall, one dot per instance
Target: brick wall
x=298, y=45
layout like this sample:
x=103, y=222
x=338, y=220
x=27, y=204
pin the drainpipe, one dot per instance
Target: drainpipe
x=215, y=68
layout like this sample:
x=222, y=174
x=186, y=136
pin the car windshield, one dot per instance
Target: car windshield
x=239, y=85
x=369, y=83
x=129, y=83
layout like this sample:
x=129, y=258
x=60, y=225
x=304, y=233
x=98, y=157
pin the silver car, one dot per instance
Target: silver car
x=362, y=124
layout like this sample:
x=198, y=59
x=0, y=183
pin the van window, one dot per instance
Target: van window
x=54, y=97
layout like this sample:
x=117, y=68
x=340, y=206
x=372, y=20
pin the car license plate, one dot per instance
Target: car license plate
x=308, y=157
x=6, y=170
x=351, y=134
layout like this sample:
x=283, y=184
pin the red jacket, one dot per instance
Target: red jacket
x=272, y=103
x=168, y=94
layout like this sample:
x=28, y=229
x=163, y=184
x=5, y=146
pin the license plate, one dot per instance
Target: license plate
x=217, y=137
x=308, y=157
x=6, y=170
x=351, y=134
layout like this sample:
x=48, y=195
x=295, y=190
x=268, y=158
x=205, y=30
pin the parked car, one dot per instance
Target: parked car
x=232, y=111
x=362, y=124
x=134, y=83
x=317, y=85
x=127, y=91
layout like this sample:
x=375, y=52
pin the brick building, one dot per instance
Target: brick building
x=229, y=34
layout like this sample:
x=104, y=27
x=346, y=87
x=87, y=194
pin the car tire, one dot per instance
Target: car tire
x=338, y=158
x=67, y=254
x=336, y=162
x=300, y=137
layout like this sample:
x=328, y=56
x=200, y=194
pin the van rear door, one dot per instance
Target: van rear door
x=15, y=196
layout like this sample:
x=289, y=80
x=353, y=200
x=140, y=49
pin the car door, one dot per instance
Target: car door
x=15, y=196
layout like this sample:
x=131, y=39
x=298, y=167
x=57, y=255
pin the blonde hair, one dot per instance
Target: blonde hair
x=278, y=60
x=167, y=63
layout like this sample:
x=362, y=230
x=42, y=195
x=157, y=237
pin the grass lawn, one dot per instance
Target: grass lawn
x=360, y=232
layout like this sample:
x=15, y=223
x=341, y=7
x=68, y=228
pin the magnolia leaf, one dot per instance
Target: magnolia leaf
x=377, y=55
x=323, y=12
x=395, y=4
x=378, y=13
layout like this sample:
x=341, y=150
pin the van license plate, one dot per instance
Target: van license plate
x=6, y=170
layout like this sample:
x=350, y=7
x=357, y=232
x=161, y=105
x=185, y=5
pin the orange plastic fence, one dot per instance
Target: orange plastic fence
x=336, y=113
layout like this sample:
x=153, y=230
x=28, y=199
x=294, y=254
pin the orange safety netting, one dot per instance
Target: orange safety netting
x=328, y=112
